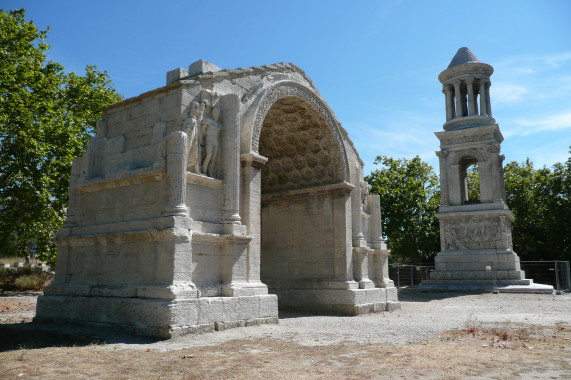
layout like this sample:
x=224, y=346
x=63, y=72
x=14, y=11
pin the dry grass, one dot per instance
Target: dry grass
x=33, y=281
x=24, y=278
x=499, y=352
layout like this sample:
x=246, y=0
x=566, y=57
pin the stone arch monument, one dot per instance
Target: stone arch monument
x=205, y=203
x=475, y=235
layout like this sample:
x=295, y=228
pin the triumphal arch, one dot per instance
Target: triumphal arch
x=206, y=203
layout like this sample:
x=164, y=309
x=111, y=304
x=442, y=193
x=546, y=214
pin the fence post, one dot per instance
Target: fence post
x=557, y=278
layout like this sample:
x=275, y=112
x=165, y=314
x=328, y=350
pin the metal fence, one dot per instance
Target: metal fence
x=409, y=274
x=555, y=273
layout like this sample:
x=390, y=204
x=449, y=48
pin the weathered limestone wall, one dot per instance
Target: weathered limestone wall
x=292, y=250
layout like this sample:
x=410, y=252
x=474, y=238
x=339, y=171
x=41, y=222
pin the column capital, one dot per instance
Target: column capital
x=442, y=153
x=493, y=148
x=253, y=159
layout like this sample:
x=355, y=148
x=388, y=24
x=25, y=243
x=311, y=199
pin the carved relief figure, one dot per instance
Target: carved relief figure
x=203, y=129
x=210, y=130
x=472, y=233
x=364, y=197
x=192, y=129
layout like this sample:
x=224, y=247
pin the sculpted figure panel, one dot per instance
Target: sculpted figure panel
x=475, y=232
x=203, y=130
x=192, y=128
x=210, y=131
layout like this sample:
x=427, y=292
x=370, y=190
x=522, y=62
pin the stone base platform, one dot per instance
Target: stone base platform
x=338, y=301
x=160, y=318
x=471, y=286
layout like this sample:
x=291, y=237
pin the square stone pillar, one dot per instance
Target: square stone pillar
x=250, y=210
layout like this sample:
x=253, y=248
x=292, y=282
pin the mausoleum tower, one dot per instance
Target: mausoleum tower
x=475, y=231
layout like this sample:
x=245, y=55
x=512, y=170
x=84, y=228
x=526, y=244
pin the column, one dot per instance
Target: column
x=458, y=99
x=442, y=155
x=483, y=101
x=488, y=102
x=357, y=233
x=231, y=158
x=470, y=90
x=375, y=223
x=176, y=174
x=449, y=104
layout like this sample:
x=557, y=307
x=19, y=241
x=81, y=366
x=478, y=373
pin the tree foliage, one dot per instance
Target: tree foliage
x=540, y=202
x=46, y=119
x=409, y=200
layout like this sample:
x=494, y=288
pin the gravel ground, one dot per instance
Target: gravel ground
x=422, y=318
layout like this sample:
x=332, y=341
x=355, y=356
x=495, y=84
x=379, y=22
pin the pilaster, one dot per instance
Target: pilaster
x=251, y=209
x=443, y=163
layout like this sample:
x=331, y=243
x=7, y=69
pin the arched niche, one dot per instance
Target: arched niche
x=253, y=119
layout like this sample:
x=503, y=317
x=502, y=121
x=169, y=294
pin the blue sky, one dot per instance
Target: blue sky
x=376, y=63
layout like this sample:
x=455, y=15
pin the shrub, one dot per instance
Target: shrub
x=30, y=282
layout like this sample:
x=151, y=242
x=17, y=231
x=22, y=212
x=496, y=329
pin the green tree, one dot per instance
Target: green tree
x=473, y=183
x=540, y=202
x=409, y=200
x=46, y=119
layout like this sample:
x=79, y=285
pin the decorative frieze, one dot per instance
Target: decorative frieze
x=476, y=232
x=459, y=140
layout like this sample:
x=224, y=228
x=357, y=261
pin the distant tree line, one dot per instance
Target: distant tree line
x=410, y=196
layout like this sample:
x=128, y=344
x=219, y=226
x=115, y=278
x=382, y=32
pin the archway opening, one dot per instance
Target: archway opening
x=297, y=209
x=469, y=180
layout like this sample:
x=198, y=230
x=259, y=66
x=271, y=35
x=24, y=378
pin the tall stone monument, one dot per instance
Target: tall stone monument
x=475, y=234
x=205, y=203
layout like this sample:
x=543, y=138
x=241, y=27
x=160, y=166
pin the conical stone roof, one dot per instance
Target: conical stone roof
x=463, y=55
